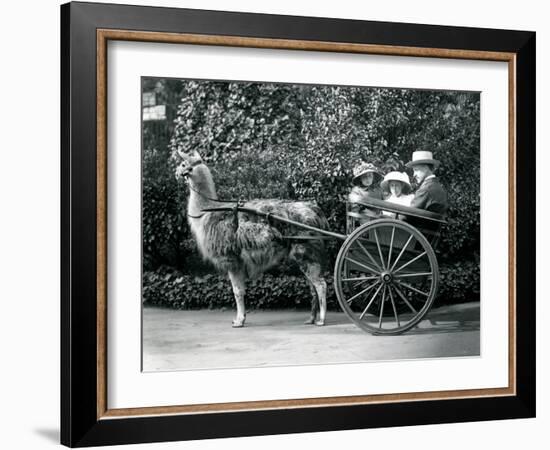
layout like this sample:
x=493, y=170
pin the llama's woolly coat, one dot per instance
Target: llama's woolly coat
x=256, y=245
x=245, y=245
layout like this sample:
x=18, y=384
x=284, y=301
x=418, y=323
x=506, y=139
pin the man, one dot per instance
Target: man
x=430, y=195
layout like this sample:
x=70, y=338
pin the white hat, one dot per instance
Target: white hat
x=423, y=157
x=397, y=176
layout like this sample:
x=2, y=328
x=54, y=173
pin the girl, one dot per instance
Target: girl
x=366, y=178
x=398, y=186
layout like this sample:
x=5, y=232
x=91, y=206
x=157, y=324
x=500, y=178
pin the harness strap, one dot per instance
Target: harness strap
x=210, y=198
x=196, y=217
x=198, y=162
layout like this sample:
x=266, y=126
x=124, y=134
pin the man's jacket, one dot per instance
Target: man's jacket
x=431, y=196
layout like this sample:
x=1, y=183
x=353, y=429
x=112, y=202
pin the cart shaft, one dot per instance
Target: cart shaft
x=270, y=216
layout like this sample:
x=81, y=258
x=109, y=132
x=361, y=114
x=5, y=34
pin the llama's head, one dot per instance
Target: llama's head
x=188, y=162
x=195, y=173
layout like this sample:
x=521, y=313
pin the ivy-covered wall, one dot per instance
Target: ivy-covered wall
x=301, y=142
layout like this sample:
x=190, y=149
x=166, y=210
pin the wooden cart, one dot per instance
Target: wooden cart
x=386, y=274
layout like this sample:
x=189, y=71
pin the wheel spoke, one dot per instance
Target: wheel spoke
x=368, y=254
x=360, y=278
x=404, y=299
x=401, y=252
x=412, y=288
x=411, y=261
x=363, y=265
x=394, y=308
x=379, y=250
x=386, y=277
x=391, y=246
x=364, y=291
x=370, y=303
x=382, y=307
x=359, y=283
x=418, y=274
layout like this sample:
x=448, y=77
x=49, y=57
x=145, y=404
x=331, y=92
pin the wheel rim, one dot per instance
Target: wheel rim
x=386, y=276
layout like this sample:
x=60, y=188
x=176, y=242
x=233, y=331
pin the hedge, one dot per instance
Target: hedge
x=170, y=288
x=308, y=138
x=176, y=290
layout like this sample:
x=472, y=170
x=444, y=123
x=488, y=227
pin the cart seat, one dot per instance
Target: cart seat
x=427, y=222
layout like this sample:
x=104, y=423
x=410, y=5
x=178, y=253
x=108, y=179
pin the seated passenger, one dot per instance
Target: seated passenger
x=366, y=179
x=398, y=187
x=430, y=195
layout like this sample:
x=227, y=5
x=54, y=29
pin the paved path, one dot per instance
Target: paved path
x=174, y=339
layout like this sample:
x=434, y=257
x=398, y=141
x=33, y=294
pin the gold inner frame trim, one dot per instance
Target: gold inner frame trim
x=103, y=36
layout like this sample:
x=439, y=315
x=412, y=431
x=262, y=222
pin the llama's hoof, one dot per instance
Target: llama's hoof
x=238, y=323
x=319, y=323
x=309, y=321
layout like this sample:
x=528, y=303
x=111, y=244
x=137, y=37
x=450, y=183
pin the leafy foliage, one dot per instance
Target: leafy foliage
x=170, y=288
x=459, y=282
x=163, y=227
x=266, y=140
x=180, y=291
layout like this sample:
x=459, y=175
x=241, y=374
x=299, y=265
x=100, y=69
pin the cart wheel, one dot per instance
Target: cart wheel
x=386, y=276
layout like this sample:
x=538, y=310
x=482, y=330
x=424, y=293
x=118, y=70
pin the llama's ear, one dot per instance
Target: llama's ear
x=196, y=156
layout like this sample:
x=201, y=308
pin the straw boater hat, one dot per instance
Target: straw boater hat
x=423, y=157
x=397, y=176
x=363, y=168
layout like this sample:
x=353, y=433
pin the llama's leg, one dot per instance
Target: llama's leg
x=239, y=288
x=313, y=273
x=314, y=304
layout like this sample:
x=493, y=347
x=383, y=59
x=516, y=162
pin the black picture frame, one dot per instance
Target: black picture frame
x=81, y=425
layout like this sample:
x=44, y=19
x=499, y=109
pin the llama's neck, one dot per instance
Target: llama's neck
x=202, y=190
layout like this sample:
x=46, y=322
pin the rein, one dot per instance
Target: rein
x=235, y=207
x=213, y=199
x=237, y=202
x=196, y=217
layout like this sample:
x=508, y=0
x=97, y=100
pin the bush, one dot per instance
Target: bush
x=169, y=288
x=173, y=289
x=308, y=138
x=459, y=282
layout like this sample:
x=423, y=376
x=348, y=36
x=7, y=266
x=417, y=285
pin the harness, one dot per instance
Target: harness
x=235, y=208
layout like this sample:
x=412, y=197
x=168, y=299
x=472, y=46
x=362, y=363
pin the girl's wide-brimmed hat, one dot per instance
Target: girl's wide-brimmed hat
x=363, y=168
x=397, y=176
x=423, y=157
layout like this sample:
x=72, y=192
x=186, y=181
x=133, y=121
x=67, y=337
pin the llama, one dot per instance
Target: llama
x=247, y=247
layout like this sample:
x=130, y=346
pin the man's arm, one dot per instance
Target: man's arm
x=421, y=198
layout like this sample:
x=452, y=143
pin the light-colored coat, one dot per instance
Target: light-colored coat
x=247, y=247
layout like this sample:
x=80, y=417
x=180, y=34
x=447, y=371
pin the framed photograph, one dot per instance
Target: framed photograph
x=279, y=224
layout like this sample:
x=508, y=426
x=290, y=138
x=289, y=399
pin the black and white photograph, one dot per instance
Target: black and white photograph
x=296, y=224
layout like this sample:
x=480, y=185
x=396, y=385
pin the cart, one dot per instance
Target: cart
x=386, y=274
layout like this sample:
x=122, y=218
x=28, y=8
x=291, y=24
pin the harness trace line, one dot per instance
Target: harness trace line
x=237, y=203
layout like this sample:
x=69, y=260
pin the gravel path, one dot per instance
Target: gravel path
x=177, y=340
